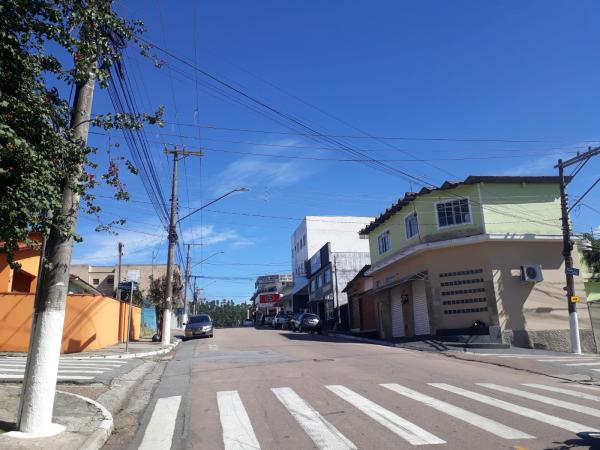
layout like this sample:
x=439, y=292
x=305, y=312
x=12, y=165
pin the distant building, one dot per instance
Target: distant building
x=328, y=272
x=106, y=278
x=268, y=290
x=312, y=234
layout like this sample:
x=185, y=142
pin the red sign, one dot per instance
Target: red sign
x=268, y=298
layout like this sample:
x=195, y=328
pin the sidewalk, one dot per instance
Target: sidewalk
x=85, y=408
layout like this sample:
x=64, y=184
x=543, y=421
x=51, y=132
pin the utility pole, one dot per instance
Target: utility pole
x=120, y=247
x=172, y=234
x=567, y=243
x=41, y=371
x=186, y=283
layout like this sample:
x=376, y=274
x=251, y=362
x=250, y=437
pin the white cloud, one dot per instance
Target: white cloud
x=254, y=171
x=544, y=165
x=209, y=236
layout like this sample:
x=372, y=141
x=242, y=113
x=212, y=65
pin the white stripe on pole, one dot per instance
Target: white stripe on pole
x=159, y=431
x=59, y=370
x=476, y=420
x=543, y=399
x=564, y=391
x=324, y=434
x=412, y=433
x=238, y=433
x=66, y=366
x=558, y=422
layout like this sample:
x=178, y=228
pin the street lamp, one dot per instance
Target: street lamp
x=166, y=328
x=205, y=259
x=242, y=189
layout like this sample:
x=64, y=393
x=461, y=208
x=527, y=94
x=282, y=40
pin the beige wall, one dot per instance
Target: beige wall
x=511, y=303
x=533, y=306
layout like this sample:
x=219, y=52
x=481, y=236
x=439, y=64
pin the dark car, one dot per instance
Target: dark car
x=200, y=325
x=309, y=322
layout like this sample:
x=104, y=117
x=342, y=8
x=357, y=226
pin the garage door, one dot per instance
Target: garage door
x=421, y=313
x=397, y=316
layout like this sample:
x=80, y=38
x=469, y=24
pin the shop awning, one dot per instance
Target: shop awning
x=424, y=275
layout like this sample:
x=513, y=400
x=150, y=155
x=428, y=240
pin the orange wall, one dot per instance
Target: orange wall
x=29, y=260
x=91, y=322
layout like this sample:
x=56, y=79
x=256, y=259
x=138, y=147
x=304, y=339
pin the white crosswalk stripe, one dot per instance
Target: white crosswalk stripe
x=160, y=428
x=13, y=368
x=583, y=364
x=237, y=428
x=324, y=434
x=476, y=420
x=564, y=391
x=412, y=433
x=543, y=399
x=558, y=422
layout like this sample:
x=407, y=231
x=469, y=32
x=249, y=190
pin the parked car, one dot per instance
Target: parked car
x=200, y=325
x=295, y=322
x=309, y=322
x=266, y=320
x=281, y=319
x=247, y=323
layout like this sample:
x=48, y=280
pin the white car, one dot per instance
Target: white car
x=247, y=323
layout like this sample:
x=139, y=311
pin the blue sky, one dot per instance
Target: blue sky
x=473, y=88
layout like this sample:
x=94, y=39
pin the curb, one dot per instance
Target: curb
x=162, y=351
x=99, y=437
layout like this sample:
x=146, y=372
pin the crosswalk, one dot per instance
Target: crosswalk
x=69, y=369
x=238, y=432
x=569, y=361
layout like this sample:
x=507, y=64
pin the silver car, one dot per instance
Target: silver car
x=199, y=326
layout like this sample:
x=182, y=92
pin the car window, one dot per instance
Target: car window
x=200, y=319
x=310, y=316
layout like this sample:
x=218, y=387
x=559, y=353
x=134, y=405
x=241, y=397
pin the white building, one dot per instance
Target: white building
x=312, y=234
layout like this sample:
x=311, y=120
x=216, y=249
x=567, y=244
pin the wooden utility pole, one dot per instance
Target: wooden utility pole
x=120, y=249
x=186, y=283
x=568, y=244
x=172, y=236
x=41, y=371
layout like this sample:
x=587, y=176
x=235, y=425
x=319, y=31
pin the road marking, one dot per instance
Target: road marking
x=66, y=366
x=237, y=428
x=566, y=360
x=414, y=434
x=564, y=391
x=583, y=364
x=476, y=420
x=585, y=386
x=213, y=347
x=12, y=376
x=558, y=422
x=59, y=371
x=159, y=431
x=324, y=434
x=543, y=399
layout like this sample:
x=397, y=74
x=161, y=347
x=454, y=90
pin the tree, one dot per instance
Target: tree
x=45, y=162
x=157, y=294
x=592, y=256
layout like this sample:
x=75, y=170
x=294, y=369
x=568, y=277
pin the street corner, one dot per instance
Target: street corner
x=78, y=422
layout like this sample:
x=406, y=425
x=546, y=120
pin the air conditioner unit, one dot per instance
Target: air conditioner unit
x=532, y=274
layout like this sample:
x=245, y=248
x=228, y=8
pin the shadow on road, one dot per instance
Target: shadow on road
x=586, y=440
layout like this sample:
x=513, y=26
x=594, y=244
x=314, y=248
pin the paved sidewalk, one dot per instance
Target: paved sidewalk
x=88, y=424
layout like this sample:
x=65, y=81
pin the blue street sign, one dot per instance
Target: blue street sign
x=572, y=271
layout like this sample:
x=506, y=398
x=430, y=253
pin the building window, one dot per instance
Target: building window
x=453, y=212
x=313, y=285
x=320, y=280
x=384, y=241
x=96, y=281
x=328, y=276
x=110, y=279
x=412, y=225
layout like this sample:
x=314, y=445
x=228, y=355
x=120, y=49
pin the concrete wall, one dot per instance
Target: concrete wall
x=511, y=208
x=91, y=322
x=29, y=260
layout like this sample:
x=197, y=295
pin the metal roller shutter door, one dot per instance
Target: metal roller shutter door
x=421, y=313
x=397, y=316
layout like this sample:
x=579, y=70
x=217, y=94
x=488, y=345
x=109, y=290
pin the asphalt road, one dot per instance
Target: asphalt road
x=272, y=389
